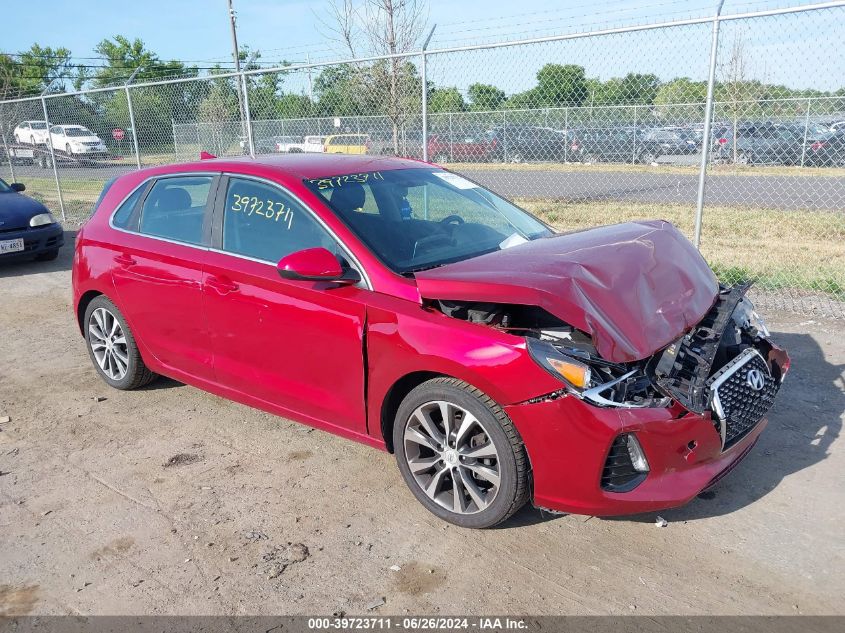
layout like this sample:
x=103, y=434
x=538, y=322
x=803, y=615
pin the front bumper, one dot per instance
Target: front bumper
x=568, y=442
x=37, y=240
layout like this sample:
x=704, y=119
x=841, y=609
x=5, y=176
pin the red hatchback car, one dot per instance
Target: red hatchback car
x=390, y=301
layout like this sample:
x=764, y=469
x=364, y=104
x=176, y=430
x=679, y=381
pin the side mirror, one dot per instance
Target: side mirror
x=315, y=264
x=18, y=186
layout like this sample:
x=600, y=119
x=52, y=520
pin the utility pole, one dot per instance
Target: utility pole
x=237, y=58
x=310, y=84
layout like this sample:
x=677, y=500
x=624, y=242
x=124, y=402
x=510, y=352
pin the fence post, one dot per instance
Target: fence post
x=566, y=131
x=247, y=117
x=9, y=157
x=636, y=138
x=708, y=115
x=132, y=116
x=424, y=72
x=53, y=159
x=806, y=127
x=451, y=157
x=504, y=137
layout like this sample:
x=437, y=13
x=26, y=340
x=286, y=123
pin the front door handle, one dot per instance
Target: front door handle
x=222, y=285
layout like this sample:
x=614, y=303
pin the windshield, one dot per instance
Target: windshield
x=78, y=131
x=4, y=188
x=413, y=219
x=39, y=125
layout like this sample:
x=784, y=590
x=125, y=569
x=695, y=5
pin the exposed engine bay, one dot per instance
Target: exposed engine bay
x=684, y=372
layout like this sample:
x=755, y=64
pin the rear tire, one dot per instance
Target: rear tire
x=472, y=472
x=113, y=349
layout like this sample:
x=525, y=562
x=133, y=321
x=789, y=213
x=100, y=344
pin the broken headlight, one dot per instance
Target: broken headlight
x=575, y=373
x=594, y=380
x=746, y=317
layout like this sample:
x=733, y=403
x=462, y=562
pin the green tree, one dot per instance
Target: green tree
x=561, y=85
x=446, y=100
x=557, y=86
x=121, y=56
x=680, y=99
x=640, y=89
x=485, y=97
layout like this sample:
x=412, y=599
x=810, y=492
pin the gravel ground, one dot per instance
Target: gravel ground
x=169, y=500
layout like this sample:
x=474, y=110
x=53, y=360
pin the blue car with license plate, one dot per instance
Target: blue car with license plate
x=27, y=228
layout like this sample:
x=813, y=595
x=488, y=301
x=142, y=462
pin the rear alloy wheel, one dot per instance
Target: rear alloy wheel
x=112, y=347
x=516, y=157
x=441, y=159
x=647, y=158
x=460, y=454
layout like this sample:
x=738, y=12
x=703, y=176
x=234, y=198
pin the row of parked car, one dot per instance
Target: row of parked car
x=763, y=142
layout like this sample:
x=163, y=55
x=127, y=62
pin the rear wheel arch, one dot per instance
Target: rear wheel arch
x=82, y=306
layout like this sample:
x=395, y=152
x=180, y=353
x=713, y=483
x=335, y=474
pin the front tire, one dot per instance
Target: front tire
x=460, y=454
x=112, y=347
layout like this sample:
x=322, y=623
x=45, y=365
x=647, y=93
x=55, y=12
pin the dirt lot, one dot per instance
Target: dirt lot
x=170, y=500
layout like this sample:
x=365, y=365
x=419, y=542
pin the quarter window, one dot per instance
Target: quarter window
x=261, y=221
x=175, y=208
x=123, y=215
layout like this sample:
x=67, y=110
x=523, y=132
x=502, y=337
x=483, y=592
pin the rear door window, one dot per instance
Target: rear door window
x=263, y=222
x=175, y=208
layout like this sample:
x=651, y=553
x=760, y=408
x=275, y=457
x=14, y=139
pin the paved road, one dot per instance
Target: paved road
x=778, y=192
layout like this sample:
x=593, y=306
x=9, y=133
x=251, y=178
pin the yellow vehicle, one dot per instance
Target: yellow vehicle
x=347, y=144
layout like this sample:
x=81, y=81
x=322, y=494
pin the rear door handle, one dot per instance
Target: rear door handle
x=124, y=260
x=223, y=286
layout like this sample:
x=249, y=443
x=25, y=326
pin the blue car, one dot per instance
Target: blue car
x=27, y=228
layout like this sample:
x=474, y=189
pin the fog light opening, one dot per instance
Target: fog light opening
x=635, y=452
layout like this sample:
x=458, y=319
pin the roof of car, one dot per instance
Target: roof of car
x=299, y=165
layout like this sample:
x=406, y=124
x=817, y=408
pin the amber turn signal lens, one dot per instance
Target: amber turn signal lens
x=575, y=374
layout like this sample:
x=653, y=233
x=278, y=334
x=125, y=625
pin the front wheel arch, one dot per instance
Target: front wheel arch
x=394, y=397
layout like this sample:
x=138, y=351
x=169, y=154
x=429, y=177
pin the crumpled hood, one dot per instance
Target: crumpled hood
x=16, y=210
x=634, y=287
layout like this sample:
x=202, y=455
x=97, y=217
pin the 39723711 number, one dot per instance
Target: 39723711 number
x=275, y=210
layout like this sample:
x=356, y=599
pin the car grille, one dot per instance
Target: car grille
x=618, y=474
x=738, y=405
x=92, y=143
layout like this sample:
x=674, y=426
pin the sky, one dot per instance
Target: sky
x=197, y=31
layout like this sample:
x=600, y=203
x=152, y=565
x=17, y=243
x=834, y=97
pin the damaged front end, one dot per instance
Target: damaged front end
x=725, y=365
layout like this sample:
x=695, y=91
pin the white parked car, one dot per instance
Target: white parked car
x=284, y=143
x=31, y=132
x=293, y=145
x=76, y=139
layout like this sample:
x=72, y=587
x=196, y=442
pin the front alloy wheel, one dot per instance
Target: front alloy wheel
x=460, y=454
x=451, y=457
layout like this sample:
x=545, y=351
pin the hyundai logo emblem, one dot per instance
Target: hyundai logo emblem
x=755, y=379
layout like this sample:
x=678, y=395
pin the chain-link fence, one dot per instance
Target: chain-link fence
x=732, y=127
